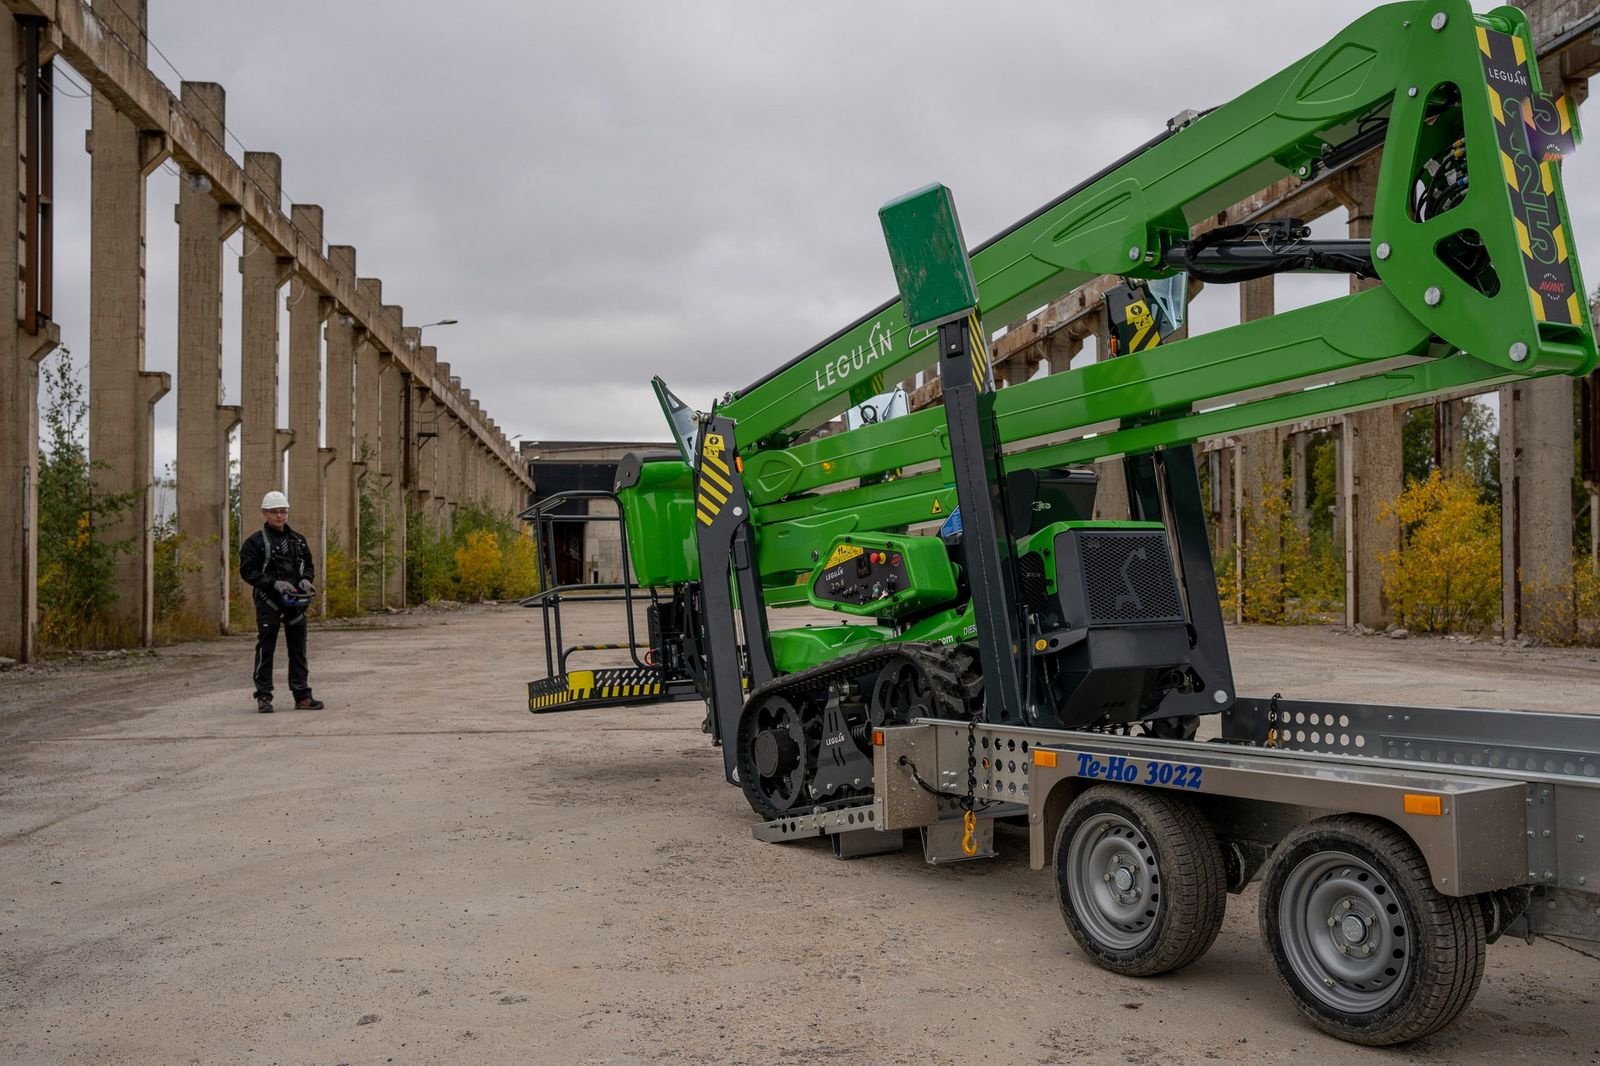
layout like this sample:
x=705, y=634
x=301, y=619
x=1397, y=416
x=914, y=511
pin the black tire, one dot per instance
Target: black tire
x=1140, y=879
x=1367, y=948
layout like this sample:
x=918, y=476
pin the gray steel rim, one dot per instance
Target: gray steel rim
x=1344, y=932
x=1113, y=881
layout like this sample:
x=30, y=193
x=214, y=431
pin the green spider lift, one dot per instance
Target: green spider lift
x=1001, y=652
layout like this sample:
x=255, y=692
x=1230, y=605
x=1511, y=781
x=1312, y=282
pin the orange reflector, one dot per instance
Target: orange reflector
x=738, y=464
x=877, y=738
x=1416, y=804
x=1043, y=758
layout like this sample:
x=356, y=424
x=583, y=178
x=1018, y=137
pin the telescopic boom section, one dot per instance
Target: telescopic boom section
x=1470, y=240
x=1425, y=75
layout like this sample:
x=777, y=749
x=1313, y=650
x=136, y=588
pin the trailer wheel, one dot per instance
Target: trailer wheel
x=1369, y=950
x=1140, y=879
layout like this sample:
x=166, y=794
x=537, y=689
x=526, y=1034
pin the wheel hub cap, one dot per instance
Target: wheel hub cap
x=1344, y=933
x=1113, y=881
x=774, y=751
x=1122, y=877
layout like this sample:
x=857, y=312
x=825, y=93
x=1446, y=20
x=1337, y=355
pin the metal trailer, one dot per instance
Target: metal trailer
x=1392, y=843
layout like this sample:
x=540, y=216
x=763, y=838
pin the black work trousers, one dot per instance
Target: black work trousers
x=271, y=617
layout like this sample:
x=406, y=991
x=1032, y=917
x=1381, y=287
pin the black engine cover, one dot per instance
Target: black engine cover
x=1117, y=592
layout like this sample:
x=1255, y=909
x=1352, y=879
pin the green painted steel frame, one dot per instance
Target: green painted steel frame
x=1122, y=223
x=1384, y=345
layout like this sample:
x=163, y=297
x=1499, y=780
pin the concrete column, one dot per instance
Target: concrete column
x=426, y=446
x=1111, y=494
x=1299, y=479
x=394, y=447
x=462, y=492
x=308, y=309
x=1258, y=477
x=369, y=365
x=1227, y=536
x=260, y=442
x=1536, y=519
x=469, y=467
x=203, y=423
x=122, y=394
x=1449, y=451
x=445, y=490
x=20, y=353
x=1371, y=469
x=484, y=493
x=341, y=518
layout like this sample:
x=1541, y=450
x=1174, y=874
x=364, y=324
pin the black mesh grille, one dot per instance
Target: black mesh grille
x=1128, y=577
x=1031, y=582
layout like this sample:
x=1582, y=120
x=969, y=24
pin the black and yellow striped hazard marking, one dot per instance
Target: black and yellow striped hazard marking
x=980, y=353
x=716, y=480
x=594, y=686
x=1145, y=334
x=1530, y=178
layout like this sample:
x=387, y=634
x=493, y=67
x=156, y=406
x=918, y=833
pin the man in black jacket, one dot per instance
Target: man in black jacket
x=276, y=562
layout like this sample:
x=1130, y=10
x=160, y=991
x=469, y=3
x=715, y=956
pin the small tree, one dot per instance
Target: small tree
x=428, y=558
x=339, y=579
x=374, y=536
x=519, y=573
x=76, y=567
x=478, y=564
x=1445, y=576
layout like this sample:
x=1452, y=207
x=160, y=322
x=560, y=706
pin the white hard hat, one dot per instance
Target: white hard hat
x=273, y=500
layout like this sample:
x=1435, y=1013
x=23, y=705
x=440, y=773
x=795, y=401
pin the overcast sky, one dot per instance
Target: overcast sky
x=604, y=191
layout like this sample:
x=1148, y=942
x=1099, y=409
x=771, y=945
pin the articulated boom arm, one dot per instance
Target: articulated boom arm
x=1478, y=284
x=1474, y=285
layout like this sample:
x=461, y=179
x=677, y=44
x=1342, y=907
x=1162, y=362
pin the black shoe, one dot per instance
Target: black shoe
x=306, y=703
x=263, y=705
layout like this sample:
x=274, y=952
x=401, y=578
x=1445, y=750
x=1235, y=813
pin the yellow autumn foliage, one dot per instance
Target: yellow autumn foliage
x=1445, y=577
x=519, y=574
x=478, y=564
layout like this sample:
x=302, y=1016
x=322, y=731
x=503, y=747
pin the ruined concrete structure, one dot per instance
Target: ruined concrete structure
x=398, y=422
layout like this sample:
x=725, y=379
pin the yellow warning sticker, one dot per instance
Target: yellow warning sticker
x=844, y=553
x=936, y=508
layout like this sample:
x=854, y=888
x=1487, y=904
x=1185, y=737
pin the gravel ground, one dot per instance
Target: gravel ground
x=425, y=873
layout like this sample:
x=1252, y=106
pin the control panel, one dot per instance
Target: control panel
x=860, y=576
x=885, y=577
